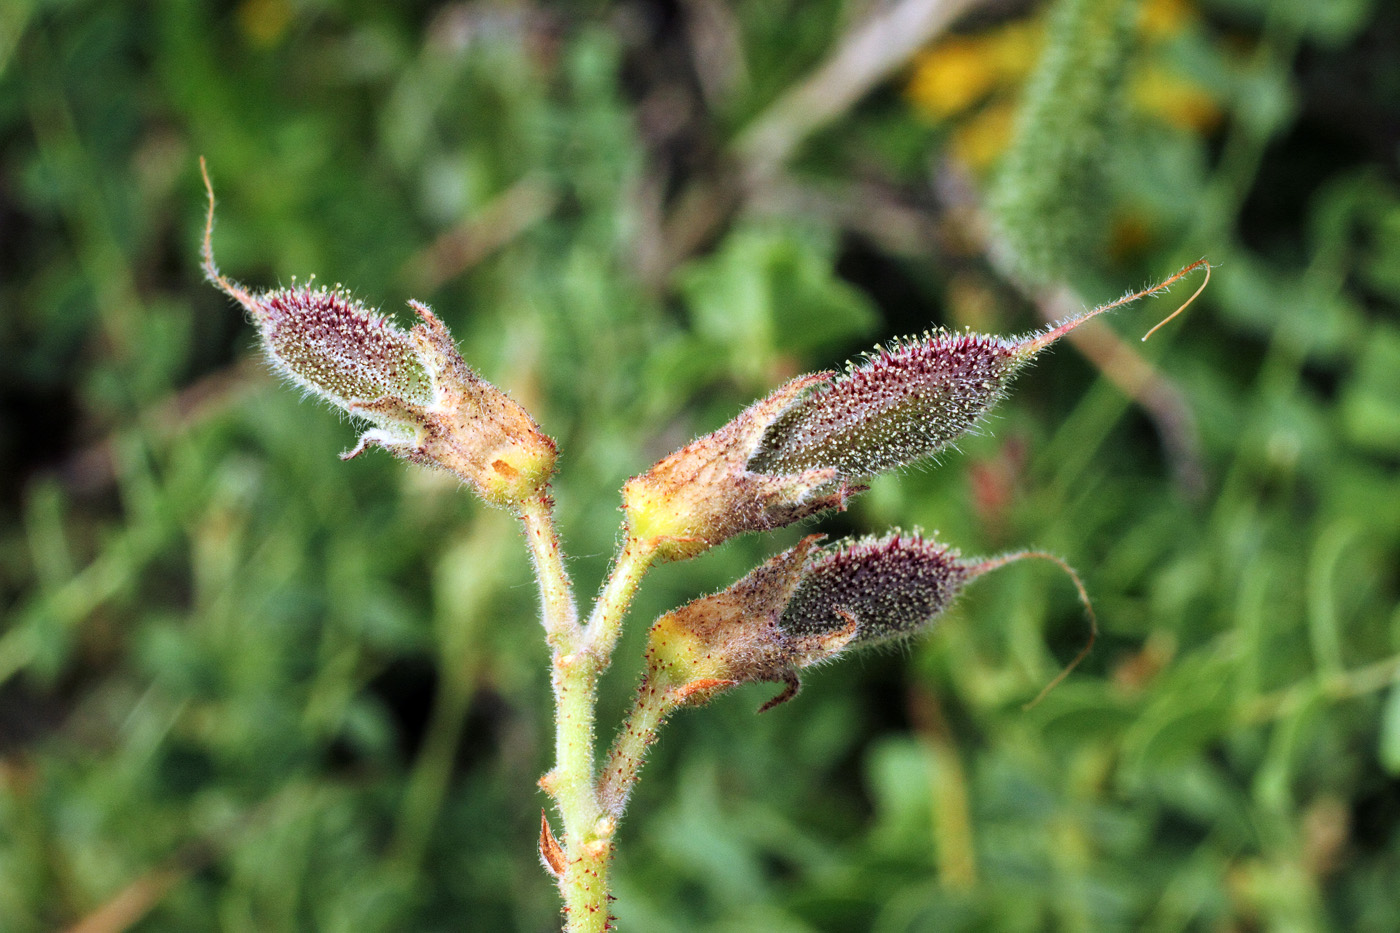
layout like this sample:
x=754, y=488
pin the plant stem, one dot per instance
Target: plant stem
x=556, y=592
x=583, y=884
x=587, y=838
x=624, y=761
x=579, y=656
x=588, y=827
x=605, y=623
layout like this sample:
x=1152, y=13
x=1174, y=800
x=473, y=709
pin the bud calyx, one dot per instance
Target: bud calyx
x=425, y=402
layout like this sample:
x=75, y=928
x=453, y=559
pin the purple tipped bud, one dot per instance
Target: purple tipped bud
x=809, y=605
x=904, y=404
x=734, y=636
x=892, y=587
x=333, y=346
x=912, y=400
x=804, y=448
x=707, y=492
x=427, y=405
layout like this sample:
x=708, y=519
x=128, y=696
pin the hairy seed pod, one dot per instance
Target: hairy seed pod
x=904, y=404
x=892, y=587
x=425, y=402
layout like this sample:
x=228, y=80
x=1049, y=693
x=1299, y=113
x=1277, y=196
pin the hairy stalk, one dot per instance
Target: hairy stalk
x=556, y=592
x=583, y=881
x=579, y=656
x=605, y=623
x=587, y=839
x=588, y=822
x=628, y=751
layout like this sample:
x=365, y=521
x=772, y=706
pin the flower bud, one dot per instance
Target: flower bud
x=912, y=400
x=891, y=587
x=805, y=606
x=807, y=446
x=705, y=493
x=425, y=403
x=800, y=450
x=905, y=403
x=735, y=636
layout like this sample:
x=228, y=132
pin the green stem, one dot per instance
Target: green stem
x=579, y=657
x=588, y=826
x=605, y=623
x=586, y=888
x=628, y=751
x=556, y=592
x=583, y=883
x=587, y=837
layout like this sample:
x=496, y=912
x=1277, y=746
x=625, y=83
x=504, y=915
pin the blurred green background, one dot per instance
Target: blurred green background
x=245, y=686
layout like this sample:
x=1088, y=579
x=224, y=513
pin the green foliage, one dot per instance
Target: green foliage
x=1048, y=201
x=766, y=294
x=316, y=691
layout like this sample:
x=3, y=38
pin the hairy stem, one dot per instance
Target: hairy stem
x=586, y=888
x=586, y=837
x=605, y=623
x=579, y=657
x=556, y=592
x=583, y=883
x=628, y=751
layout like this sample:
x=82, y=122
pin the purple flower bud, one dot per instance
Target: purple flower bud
x=905, y=403
x=804, y=449
x=912, y=400
x=809, y=605
x=332, y=346
x=425, y=403
x=892, y=587
x=800, y=608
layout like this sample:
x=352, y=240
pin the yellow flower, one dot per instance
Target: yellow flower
x=962, y=71
x=1175, y=100
x=973, y=82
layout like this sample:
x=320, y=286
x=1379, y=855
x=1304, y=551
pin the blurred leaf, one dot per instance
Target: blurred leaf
x=769, y=292
x=1370, y=403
